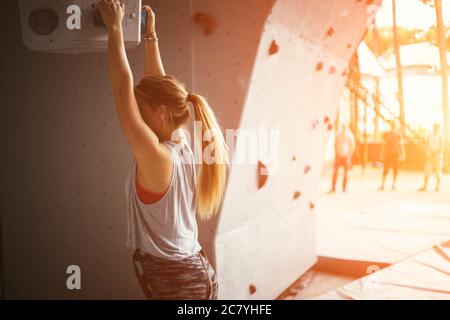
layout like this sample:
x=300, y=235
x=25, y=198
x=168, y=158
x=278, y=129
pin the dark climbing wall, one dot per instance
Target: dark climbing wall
x=64, y=161
x=2, y=266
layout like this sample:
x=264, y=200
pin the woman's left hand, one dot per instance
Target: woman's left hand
x=150, y=21
x=112, y=12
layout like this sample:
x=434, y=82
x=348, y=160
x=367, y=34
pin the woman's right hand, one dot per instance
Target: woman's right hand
x=150, y=21
x=112, y=12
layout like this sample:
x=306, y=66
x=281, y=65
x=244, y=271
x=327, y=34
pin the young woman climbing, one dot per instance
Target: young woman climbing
x=164, y=192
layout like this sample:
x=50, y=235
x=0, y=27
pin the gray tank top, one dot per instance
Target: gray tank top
x=168, y=228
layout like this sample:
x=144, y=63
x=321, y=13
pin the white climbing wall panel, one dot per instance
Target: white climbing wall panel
x=262, y=64
x=295, y=91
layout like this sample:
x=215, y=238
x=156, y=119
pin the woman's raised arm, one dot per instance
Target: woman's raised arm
x=152, y=60
x=143, y=141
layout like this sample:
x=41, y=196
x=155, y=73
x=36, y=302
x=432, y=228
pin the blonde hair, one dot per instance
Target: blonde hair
x=167, y=90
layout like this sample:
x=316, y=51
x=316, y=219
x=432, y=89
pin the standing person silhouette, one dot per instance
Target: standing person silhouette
x=435, y=156
x=392, y=152
x=163, y=191
x=344, y=147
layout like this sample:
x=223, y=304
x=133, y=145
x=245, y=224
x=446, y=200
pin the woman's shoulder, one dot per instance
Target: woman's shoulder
x=184, y=162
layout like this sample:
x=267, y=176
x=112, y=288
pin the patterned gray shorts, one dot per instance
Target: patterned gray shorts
x=192, y=278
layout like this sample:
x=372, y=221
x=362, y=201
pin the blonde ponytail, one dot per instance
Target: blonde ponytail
x=212, y=177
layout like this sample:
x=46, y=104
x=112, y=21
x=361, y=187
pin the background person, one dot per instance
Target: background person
x=435, y=155
x=344, y=147
x=392, y=152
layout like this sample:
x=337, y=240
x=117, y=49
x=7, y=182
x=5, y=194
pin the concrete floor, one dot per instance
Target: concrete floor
x=365, y=224
x=389, y=225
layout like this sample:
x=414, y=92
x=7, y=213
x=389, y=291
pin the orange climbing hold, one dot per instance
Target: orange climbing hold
x=332, y=70
x=262, y=174
x=330, y=32
x=252, y=288
x=315, y=123
x=319, y=66
x=306, y=169
x=205, y=21
x=297, y=194
x=274, y=48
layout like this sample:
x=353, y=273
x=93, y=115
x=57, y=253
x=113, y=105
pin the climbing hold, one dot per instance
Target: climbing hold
x=43, y=21
x=315, y=123
x=297, y=194
x=205, y=21
x=329, y=127
x=98, y=20
x=306, y=169
x=252, y=288
x=262, y=174
x=332, y=70
x=311, y=205
x=209, y=28
x=349, y=46
x=326, y=119
x=273, y=49
x=201, y=18
x=144, y=19
x=319, y=66
x=294, y=158
x=330, y=32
